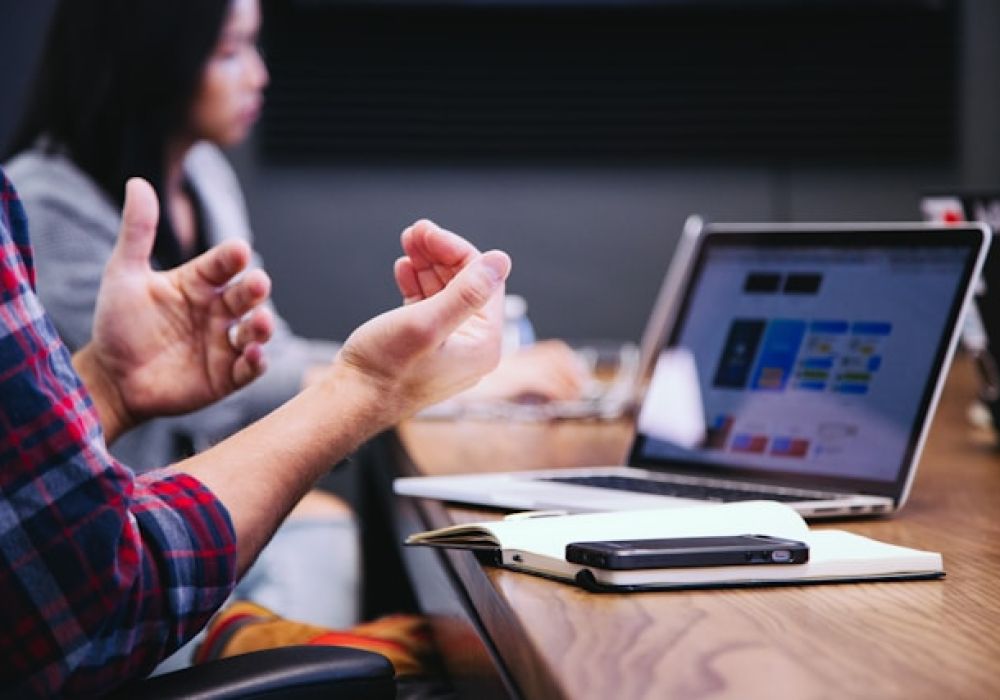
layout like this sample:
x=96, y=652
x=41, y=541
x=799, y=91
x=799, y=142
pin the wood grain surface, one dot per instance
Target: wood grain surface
x=925, y=639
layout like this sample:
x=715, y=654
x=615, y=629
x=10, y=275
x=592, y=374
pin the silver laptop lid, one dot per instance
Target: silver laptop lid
x=819, y=352
x=663, y=316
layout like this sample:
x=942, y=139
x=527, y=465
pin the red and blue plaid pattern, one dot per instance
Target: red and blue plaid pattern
x=102, y=573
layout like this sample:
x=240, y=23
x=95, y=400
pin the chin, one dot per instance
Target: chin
x=232, y=137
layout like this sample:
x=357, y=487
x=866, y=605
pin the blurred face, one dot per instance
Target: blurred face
x=229, y=99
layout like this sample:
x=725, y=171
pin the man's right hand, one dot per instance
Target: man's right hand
x=162, y=343
x=445, y=337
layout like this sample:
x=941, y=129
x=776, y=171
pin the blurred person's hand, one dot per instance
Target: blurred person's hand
x=548, y=370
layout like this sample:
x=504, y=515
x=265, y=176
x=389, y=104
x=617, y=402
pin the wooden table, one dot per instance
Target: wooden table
x=505, y=633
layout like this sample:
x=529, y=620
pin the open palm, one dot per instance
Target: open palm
x=163, y=339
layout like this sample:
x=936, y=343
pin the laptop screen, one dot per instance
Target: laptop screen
x=816, y=353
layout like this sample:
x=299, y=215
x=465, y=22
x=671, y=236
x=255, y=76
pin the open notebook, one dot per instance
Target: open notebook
x=537, y=545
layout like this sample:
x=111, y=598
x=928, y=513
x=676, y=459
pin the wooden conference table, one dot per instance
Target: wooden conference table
x=507, y=634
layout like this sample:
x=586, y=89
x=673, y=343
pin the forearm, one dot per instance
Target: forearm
x=114, y=416
x=262, y=471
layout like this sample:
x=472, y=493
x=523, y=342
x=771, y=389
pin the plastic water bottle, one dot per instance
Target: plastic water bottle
x=517, y=329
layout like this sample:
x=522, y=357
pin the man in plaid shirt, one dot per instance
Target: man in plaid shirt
x=102, y=573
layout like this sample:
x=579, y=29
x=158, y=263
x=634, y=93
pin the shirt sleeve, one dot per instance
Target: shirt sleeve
x=102, y=574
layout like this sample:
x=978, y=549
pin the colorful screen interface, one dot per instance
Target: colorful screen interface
x=814, y=360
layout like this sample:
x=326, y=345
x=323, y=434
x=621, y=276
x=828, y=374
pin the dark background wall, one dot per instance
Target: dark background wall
x=591, y=235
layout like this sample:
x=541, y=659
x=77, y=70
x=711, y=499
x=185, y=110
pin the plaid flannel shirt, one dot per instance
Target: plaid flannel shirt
x=102, y=573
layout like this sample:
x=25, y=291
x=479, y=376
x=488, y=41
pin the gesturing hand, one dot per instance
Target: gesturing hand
x=448, y=333
x=162, y=342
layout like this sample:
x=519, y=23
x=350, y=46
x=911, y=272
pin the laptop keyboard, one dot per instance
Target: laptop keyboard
x=695, y=491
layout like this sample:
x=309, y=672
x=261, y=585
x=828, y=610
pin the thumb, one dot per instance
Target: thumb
x=469, y=291
x=138, y=230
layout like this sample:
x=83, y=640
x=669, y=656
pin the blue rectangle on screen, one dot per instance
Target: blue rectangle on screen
x=871, y=328
x=852, y=388
x=874, y=362
x=741, y=442
x=778, y=352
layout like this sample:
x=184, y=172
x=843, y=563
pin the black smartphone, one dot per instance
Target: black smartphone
x=731, y=550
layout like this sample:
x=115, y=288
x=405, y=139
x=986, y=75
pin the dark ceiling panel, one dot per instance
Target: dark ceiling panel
x=840, y=82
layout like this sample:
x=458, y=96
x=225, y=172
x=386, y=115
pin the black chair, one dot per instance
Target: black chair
x=295, y=672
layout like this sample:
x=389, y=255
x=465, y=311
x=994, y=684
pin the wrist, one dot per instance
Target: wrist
x=111, y=409
x=375, y=402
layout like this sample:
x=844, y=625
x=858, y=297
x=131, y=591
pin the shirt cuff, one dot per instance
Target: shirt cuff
x=194, y=542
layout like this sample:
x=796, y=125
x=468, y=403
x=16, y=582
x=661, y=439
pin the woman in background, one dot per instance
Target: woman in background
x=154, y=89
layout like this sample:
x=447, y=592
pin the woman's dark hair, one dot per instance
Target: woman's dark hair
x=116, y=83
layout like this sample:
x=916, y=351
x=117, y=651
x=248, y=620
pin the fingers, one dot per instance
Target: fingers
x=406, y=280
x=547, y=385
x=431, y=276
x=138, y=230
x=247, y=293
x=436, y=255
x=470, y=291
x=558, y=359
x=217, y=266
x=255, y=328
x=249, y=365
x=247, y=339
x=430, y=244
x=564, y=386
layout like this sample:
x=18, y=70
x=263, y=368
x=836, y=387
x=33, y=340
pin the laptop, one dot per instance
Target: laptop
x=981, y=330
x=812, y=357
